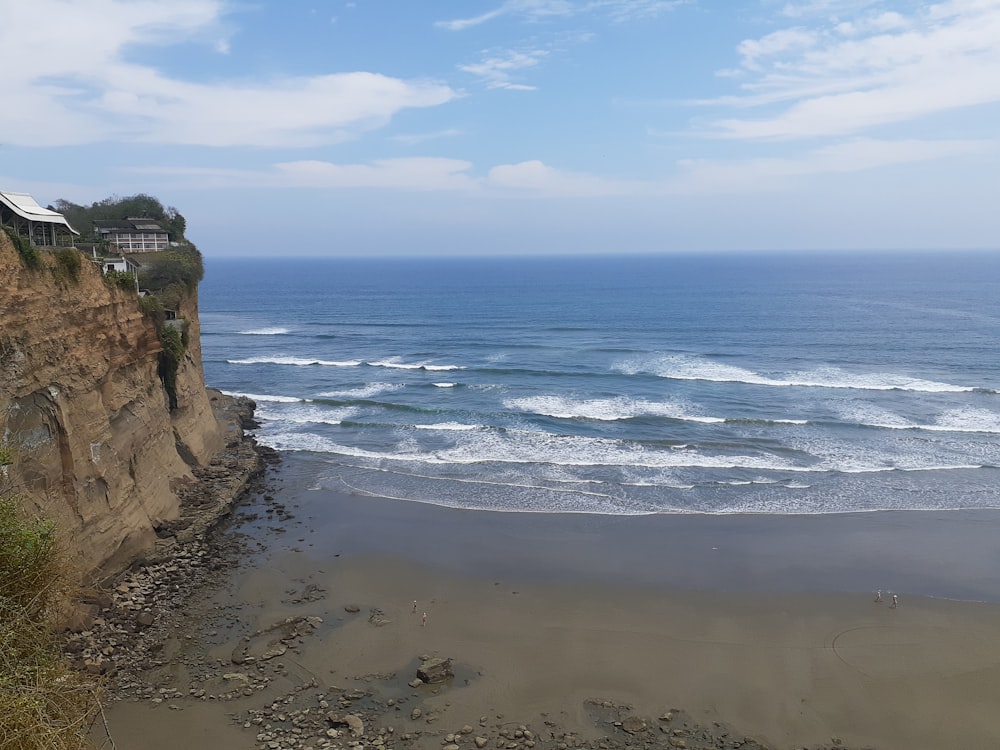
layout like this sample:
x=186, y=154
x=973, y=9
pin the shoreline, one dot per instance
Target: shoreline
x=586, y=654
x=941, y=554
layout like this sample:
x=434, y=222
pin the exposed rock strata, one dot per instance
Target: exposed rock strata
x=96, y=447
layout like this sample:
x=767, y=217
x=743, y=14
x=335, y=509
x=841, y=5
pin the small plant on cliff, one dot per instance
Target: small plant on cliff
x=173, y=343
x=27, y=251
x=43, y=704
x=121, y=279
x=67, y=265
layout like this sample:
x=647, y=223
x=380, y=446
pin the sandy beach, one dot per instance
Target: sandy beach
x=564, y=625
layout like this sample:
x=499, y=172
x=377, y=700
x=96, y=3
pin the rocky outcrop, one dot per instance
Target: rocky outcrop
x=95, y=446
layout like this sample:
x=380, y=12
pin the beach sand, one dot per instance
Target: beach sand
x=765, y=625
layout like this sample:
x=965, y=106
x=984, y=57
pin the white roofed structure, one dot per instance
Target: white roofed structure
x=41, y=226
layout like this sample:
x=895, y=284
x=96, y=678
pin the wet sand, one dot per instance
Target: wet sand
x=766, y=624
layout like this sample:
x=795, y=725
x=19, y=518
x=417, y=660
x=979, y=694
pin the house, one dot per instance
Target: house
x=109, y=263
x=133, y=235
x=120, y=264
x=42, y=227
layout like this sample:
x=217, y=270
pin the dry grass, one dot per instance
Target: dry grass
x=43, y=703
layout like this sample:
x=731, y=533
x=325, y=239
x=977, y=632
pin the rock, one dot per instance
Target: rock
x=634, y=724
x=415, y=714
x=352, y=608
x=481, y=742
x=355, y=725
x=273, y=651
x=435, y=670
x=145, y=619
x=81, y=618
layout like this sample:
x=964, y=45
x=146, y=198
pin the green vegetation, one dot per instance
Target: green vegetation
x=114, y=207
x=120, y=279
x=67, y=265
x=172, y=274
x=44, y=704
x=174, y=343
x=28, y=252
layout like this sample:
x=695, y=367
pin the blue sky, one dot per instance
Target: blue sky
x=515, y=126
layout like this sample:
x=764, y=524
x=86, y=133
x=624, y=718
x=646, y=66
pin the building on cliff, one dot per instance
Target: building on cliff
x=42, y=227
x=133, y=235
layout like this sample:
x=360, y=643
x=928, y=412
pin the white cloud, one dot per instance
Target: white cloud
x=619, y=11
x=754, y=51
x=532, y=9
x=497, y=69
x=412, y=139
x=412, y=174
x=538, y=179
x=857, y=155
x=877, y=68
x=530, y=178
x=74, y=84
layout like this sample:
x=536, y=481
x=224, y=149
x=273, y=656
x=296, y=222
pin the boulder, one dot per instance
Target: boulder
x=435, y=670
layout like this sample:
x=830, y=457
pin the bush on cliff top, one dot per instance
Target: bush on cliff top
x=27, y=251
x=43, y=704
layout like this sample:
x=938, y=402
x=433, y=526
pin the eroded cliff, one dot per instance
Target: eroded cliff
x=95, y=445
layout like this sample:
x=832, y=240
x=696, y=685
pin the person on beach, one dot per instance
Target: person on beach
x=895, y=601
x=423, y=620
x=878, y=595
x=414, y=606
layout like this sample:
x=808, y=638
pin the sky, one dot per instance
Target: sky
x=463, y=127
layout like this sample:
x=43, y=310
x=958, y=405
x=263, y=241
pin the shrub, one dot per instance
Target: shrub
x=68, y=264
x=27, y=251
x=43, y=704
x=181, y=267
x=172, y=341
x=121, y=279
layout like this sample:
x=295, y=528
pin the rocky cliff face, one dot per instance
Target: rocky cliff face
x=95, y=446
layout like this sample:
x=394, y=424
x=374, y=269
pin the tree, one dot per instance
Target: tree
x=144, y=206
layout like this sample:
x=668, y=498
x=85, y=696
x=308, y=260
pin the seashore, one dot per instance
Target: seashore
x=569, y=631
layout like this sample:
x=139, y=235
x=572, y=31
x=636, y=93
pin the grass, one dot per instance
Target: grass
x=43, y=702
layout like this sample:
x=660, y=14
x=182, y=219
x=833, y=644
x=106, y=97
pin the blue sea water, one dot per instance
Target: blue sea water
x=772, y=384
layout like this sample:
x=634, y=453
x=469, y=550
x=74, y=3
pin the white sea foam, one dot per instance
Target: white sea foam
x=967, y=419
x=444, y=385
x=366, y=391
x=296, y=361
x=688, y=367
x=265, y=397
x=305, y=414
x=521, y=448
x=395, y=364
x=449, y=426
x=608, y=410
x=275, y=331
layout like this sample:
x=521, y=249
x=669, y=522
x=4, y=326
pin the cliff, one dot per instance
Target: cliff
x=95, y=446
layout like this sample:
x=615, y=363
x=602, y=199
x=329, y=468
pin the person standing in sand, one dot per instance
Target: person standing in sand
x=423, y=620
x=895, y=601
x=878, y=596
x=414, y=606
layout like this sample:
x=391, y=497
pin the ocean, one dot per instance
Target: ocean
x=714, y=384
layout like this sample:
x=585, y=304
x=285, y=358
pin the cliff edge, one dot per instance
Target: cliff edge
x=95, y=446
